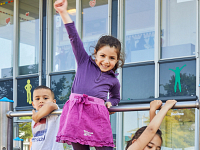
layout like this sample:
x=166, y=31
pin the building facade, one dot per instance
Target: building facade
x=160, y=39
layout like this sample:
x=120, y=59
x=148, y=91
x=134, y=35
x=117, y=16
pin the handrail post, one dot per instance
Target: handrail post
x=6, y=126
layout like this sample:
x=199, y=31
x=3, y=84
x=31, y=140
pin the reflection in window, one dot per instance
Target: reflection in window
x=63, y=57
x=139, y=30
x=6, y=39
x=61, y=86
x=95, y=23
x=178, y=127
x=138, y=82
x=29, y=36
x=132, y=121
x=6, y=89
x=178, y=25
x=113, y=126
x=178, y=79
x=25, y=131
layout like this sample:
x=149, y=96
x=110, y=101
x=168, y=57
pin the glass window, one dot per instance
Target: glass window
x=132, y=121
x=139, y=30
x=25, y=89
x=138, y=82
x=28, y=36
x=25, y=132
x=178, y=78
x=178, y=25
x=6, y=39
x=6, y=89
x=113, y=126
x=63, y=57
x=95, y=22
x=61, y=86
x=178, y=127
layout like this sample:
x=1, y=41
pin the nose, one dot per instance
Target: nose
x=106, y=60
x=41, y=100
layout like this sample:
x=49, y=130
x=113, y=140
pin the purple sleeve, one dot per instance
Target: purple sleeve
x=114, y=94
x=77, y=44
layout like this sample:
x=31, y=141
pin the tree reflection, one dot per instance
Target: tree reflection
x=178, y=128
x=6, y=89
x=188, y=86
x=62, y=89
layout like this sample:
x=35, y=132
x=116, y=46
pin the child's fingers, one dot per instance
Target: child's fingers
x=33, y=111
x=108, y=104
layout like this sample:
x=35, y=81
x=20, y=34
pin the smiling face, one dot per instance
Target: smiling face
x=106, y=58
x=42, y=96
x=155, y=143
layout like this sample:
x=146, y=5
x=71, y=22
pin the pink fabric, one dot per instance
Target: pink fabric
x=85, y=120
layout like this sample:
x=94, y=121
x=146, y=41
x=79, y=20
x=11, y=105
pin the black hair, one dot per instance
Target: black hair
x=139, y=132
x=108, y=40
x=45, y=87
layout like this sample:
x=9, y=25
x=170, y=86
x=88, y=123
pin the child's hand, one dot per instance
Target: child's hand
x=108, y=105
x=60, y=5
x=155, y=105
x=169, y=104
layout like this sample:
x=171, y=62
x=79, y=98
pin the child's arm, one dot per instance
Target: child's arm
x=45, y=110
x=152, y=128
x=77, y=45
x=61, y=7
x=154, y=105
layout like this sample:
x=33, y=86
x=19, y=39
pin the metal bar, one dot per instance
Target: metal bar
x=121, y=108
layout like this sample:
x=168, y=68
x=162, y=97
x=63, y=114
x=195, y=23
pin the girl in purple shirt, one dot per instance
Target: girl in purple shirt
x=84, y=121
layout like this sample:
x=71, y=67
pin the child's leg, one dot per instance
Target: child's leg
x=78, y=146
x=104, y=148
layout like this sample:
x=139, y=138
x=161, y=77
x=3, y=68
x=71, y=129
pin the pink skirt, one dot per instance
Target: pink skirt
x=85, y=120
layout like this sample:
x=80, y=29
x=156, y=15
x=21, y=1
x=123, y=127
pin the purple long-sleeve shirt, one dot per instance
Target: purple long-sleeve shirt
x=89, y=79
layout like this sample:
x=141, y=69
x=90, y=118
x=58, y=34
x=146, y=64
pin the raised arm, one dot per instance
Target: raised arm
x=152, y=128
x=182, y=67
x=172, y=70
x=61, y=7
x=44, y=111
x=154, y=105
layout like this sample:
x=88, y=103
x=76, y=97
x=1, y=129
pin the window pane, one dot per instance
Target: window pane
x=138, y=82
x=6, y=89
x=132, y=121
x=95, y=22
x=113, y=126
x=29, y=36
x=6, y=39
x=178, y=24
x=63, y=57
x=25, y=89
x=139, y=30
x=177, y=123
x=178, y=78
x=61, y=86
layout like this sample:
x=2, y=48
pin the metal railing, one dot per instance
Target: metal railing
x=120, y=108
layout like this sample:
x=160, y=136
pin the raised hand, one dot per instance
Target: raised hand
x=155, y=105
x=61, y=6
x=169, y=104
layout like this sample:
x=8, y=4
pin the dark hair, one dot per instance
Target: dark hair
x=45, y=87
x=139, y=132
x=108, y=40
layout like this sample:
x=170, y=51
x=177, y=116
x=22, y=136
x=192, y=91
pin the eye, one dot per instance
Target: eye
x=46, y=98
x=102, y=55
x=113, y=58
x=37, y=99
x=149, y=146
